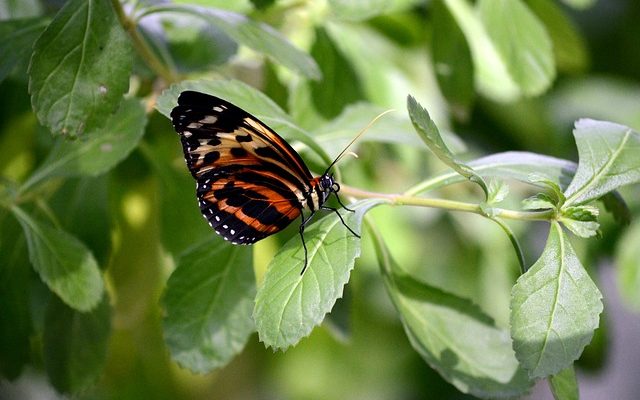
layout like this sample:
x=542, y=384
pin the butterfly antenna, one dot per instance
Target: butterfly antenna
x=362, y=131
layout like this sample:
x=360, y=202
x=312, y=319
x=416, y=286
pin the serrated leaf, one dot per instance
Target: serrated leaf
x=608, y=159
x=339, y=85
x=555, y=308
x=16, y=40
x=63, y=263
x=208, y=303
x=627, y=258
x=454, y=336
x=498, y=191
x=491, y=75
x=452, y=59
x=99, y=152
x=430, y=134
x=564, y=385
x=556, y=190
x=257, y=36
x=522, y=42
x=247, y=98
x=584, y=229
x=289, y=305
x=540, y=201
x=80, y=68
x=75, y=344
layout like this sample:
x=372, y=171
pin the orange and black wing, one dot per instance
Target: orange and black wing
x=250, y=182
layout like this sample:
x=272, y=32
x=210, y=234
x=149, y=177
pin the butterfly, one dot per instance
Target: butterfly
x=250, y=183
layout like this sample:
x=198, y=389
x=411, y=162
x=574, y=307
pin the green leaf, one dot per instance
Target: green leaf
x=289, y=305
x=452, y=60
x=16, y=40
x=63, y=262
x=557, y=197
x=75, y=345
x=564, y=385
x=80, y=68
x=100, y=151
x=491, y=75
x=194, y=44
x=208, y=303
x=15, y=301
x=540, y=201
x=430, y=134
x=498, y=191
x=569, y=48
x=339, y=85
x=522, y=42
x=360, y=10
x=453, y=335
x=247, y=98
x=257, y=36
x=555, y=308
x=627, y=258
x=608, y=159
x=516, y=165
x=391, y=128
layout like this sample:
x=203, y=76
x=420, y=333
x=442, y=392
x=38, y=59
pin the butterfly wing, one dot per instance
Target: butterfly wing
x=250, y=182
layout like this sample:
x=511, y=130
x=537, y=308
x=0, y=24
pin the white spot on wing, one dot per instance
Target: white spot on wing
x=209, y=119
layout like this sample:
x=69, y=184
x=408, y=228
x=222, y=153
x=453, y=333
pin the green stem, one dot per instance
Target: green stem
x=400, y=199
x=141, y=46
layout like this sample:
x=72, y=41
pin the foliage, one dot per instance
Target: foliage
x=103, y=250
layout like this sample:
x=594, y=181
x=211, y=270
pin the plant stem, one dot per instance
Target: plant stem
x=399, y=199
x=141, y=45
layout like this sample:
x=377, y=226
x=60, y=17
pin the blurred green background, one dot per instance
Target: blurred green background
x=361, y=352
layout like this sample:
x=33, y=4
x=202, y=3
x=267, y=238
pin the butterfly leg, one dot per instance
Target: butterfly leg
x=340, y=202
x=335, y=210
x=301, y=232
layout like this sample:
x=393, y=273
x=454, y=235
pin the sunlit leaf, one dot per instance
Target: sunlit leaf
x=569, y=47
x=522, y=42
x=555, y=308
x=208, y=305
x=430, y=134
x=75, y=344
x=80, y=68
x=608, y=159
x=63, y=262
x=491, y=74
x=289, y=305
